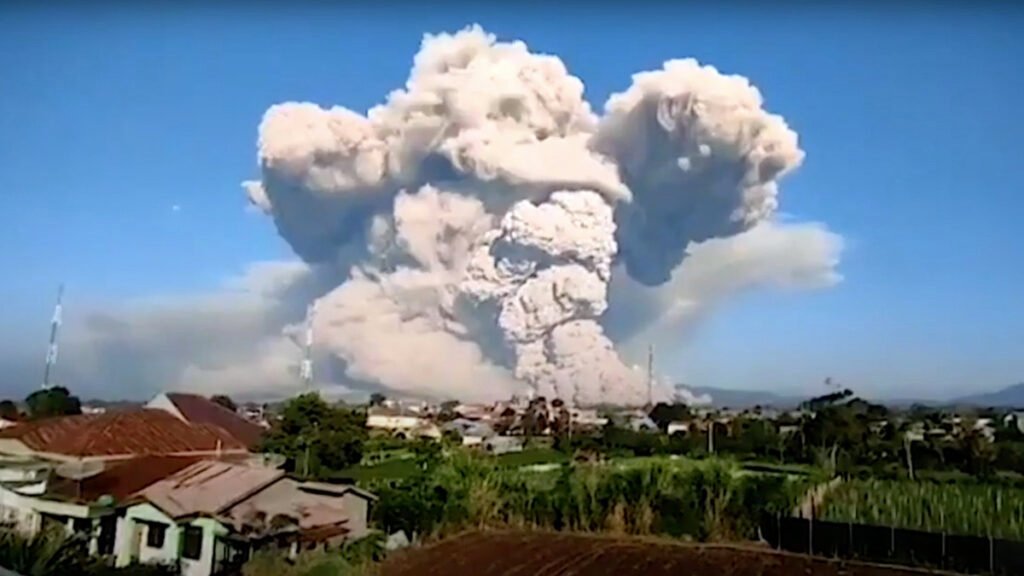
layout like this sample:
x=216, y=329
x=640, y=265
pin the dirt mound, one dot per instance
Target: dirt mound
x=550, y=554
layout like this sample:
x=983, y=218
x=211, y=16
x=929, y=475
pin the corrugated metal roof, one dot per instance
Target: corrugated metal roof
x=123, y=478
x=208, y=487
x=306, y=510
x=201, y=410
x=135, y=432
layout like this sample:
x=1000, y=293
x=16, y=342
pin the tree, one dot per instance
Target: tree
x=377, y=399
x=535, y=420
x=449, y=411
x=56, y=401
x=224, y=401
x=315, y=437
x=664, y=414
x=9, y=410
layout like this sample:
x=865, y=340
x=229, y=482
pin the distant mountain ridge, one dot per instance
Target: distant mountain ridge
x=1009, y=397
x=729, y=398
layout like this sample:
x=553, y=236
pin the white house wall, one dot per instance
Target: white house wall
x=137, y=517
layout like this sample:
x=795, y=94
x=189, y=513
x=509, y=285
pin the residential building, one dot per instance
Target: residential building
x=82, y=504
x=394, y=419
x=116, y=436
x=587, y=418
x=1015, y=419
x=65, y=470
x=212, y=515
x=472, y=433
x=673, y=427
x=196, y=409
x=502, y=444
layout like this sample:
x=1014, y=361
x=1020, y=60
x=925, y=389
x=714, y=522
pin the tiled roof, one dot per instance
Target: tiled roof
x=136, y=432
x=207, y=487
x=201, y=410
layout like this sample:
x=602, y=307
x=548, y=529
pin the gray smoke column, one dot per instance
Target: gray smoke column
x=701, y=156
x=478, y=213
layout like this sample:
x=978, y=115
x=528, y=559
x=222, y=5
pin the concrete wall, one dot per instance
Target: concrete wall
x=18, y=509
x=135, y=524
x=357, y=510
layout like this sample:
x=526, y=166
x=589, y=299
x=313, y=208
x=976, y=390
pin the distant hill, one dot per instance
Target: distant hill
x=1009, y=397
x=739, y=399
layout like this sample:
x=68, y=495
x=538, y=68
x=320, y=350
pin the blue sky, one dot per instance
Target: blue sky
x=909, y=118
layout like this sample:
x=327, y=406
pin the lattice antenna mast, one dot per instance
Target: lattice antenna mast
x=650, y=375
x=51, y=352
x=307, y=347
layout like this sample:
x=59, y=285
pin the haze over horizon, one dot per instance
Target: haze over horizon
x=890, y=265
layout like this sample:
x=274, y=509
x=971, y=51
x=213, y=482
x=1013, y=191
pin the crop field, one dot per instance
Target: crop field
x=548, y=554
x=970, y=509
x=398, y=464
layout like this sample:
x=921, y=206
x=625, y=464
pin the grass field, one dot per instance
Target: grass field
x=970, y=509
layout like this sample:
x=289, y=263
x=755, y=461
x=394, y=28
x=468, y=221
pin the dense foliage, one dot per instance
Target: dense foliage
x=355, y=558
x=54, y=553
x=458, y=491
x=315, y=437
x=972, y=509
x=56, y=401
x=224, y=401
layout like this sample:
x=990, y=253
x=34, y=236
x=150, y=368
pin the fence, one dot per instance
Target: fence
x=890, y=545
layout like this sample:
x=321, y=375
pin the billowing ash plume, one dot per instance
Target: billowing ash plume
x=479, y=214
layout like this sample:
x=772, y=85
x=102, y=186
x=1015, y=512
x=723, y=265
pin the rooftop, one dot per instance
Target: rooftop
x=201, y=410
x=120, y=480
x=208, y=487
x=117, y=434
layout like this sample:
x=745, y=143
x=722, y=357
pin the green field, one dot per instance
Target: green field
x=971, y=509
x=393, y=469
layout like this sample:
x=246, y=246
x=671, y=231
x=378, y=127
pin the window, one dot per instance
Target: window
x=192, y=543
x=155, y=534
x=82, y=525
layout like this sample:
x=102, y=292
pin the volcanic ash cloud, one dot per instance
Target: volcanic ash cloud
x=479, y=214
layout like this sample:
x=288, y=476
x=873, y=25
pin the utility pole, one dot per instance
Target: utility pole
x=51, y=352
x=711, y=435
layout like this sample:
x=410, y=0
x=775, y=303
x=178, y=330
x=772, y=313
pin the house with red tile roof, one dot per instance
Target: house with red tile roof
x=116, y=436
x=73, y=470
x=196, y=409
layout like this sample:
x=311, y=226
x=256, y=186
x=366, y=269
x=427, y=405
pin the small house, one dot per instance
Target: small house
x=211, y=516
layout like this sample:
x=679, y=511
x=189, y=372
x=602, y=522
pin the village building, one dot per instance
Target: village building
x=196, y=409
x=54, y=471
x=211, y=516
x=395, y=419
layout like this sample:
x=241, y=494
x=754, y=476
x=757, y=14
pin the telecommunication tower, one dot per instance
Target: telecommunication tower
x=306, y=372
x=51, y=351
x=650, y=376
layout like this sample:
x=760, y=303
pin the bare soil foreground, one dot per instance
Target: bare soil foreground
x=550, y=554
